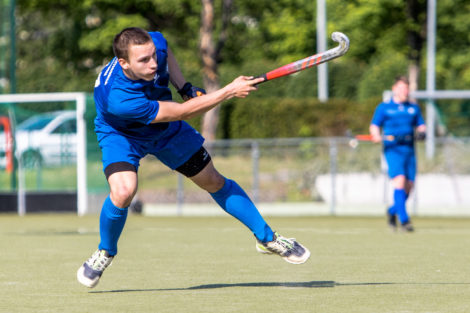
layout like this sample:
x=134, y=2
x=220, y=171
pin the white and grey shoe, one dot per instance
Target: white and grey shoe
x=90, y=272
x=288, y=248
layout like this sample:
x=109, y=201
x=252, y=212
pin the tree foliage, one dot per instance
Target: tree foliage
x=62, y=44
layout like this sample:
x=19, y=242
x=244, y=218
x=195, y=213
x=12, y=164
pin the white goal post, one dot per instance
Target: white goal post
x=80, y=99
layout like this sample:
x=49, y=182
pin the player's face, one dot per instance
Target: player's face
x=142, y=62
x=400, y=91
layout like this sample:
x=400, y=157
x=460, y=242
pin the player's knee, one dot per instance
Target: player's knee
x=399, y=181
x=122, y=195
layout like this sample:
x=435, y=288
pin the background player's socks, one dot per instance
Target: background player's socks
x=236, y=202
x=399, y=196
x=392, y=217
x=112, y=220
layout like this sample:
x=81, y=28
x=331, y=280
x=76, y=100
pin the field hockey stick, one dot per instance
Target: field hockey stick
x=369, y=137
x=310, y=61
x=354, y=142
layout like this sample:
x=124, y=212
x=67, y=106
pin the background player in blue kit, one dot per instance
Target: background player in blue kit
x=398, y=119
x=136, y=116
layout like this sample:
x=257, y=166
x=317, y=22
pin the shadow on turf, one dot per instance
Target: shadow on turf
x=308, y=284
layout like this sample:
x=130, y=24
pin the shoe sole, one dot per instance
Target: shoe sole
x=85, y=281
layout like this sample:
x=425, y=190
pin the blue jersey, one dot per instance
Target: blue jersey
x=398, y=120
x=127, y=107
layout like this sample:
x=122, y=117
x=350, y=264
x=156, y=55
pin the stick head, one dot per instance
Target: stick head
x=353, y=143
x=343, y=41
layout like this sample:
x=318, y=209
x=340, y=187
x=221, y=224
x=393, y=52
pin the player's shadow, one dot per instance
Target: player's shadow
x=307, y=284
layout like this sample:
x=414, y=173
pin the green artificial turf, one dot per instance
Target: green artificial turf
x=169, y=264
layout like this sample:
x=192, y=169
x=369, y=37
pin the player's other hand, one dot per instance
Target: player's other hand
x=376, y=138
x=241, y=86
x=188, y=91
x=421, y=135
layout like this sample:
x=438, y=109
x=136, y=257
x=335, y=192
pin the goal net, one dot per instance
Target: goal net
x=43, y=148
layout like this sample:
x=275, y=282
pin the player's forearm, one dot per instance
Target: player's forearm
x=174, y=111
x=176, y=76
x=200, y=105
x=375, y=133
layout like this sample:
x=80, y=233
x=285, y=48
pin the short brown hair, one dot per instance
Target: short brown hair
x=401, y=78
x=129, y=36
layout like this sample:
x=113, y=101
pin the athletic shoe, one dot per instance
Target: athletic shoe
x=407, y=227
x=392, y=221
x=90, y=272
x=288, y=248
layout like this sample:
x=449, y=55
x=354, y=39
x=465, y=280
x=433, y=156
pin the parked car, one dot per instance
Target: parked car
x=46, y=139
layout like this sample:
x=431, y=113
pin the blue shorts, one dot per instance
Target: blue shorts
x=401, y=162
x=173, y=147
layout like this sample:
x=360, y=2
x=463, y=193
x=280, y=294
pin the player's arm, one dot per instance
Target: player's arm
x=375, y=133
x=173, y=111
x=185, y=89
x=375, y=124
x=421, y=128
x=176, y=76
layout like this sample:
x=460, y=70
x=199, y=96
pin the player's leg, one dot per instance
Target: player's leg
x=123, y=186
x=410, y=175
x=409, y=184
x=120, y=162
x=405, y=221
x=234, y=200
x=399, y=197
x=410, y=172
x=182, y=150
x=396, y=171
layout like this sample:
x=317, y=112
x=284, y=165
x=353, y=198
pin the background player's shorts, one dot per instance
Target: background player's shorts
x=173, y=147
x=401, y=162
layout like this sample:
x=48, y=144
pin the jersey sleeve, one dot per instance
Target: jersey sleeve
x=378, y=117
x=132, y=105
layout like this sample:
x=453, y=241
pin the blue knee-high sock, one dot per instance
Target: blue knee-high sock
x=112, y=220
x=399, y=196
x=236, y=202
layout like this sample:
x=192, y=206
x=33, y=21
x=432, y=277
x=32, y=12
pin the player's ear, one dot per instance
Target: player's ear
x=124, y=64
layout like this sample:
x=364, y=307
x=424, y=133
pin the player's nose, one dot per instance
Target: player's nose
x=153, y=63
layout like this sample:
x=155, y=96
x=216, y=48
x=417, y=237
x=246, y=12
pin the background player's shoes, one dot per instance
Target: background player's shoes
x=90, y=272
x=288, y=248
x=392, y=221
x=407, y=227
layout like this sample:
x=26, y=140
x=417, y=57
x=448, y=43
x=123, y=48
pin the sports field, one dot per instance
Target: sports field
x=210, y=265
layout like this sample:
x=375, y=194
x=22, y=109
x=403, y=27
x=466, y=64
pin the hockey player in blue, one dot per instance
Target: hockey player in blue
x=399, y=119
x=136, y=116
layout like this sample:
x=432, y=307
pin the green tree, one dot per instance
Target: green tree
x=62, y=44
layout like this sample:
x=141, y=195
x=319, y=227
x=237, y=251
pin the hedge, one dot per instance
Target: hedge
x=280, y=118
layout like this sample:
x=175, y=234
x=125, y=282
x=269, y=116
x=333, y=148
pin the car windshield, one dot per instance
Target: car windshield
x=35, y=123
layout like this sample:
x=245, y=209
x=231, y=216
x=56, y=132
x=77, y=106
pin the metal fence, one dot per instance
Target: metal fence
x=334, y=175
